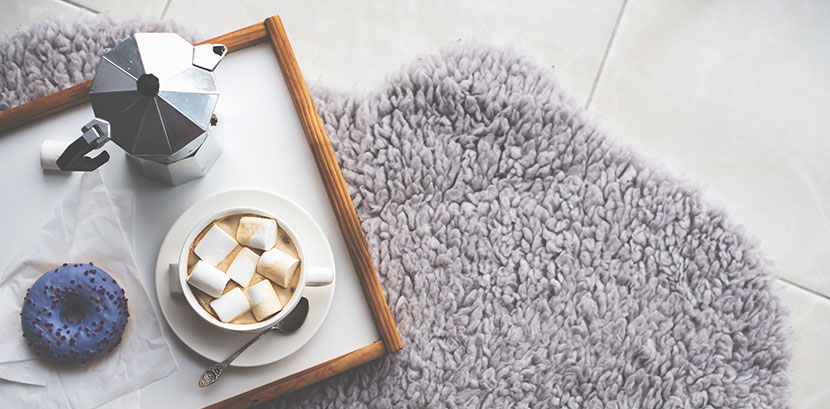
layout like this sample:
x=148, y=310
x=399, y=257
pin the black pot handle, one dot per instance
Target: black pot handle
x=95, y=134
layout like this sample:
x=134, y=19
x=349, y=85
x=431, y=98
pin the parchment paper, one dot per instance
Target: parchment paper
x=84, y=227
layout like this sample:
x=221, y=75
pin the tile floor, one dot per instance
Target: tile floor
x=733, y=96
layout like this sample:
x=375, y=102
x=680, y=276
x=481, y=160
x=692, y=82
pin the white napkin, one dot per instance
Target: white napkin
x=84, y=227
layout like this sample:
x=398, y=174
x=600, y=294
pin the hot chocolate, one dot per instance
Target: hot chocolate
x=240, y=266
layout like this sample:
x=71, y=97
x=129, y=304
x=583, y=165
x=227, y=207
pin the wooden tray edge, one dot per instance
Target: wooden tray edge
x=336, y=188
x=304, y=378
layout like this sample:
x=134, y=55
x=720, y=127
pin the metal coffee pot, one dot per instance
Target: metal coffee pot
x=154, y=95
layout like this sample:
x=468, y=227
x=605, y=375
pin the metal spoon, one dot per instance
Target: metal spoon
x=288, y=325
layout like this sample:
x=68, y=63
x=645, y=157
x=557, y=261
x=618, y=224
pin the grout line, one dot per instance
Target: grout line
x=80, y=6
x=163, y=12
x=605, y=56
x=803, y=288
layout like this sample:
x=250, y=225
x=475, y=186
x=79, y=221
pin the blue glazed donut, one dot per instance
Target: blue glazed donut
x=74, y=313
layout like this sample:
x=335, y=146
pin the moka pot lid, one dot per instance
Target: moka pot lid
x=158, y=93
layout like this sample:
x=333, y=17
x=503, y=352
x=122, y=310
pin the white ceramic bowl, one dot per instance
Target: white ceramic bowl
x=309, y=276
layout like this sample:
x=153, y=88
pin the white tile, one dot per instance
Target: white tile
x=357, y=44
x=19, y=14
x=810, y=316
x=126, y=8
x=735, y=96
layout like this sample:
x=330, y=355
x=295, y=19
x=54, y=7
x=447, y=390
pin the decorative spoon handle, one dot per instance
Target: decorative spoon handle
x=213, y=373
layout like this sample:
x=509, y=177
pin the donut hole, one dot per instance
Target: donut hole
x=74, y=312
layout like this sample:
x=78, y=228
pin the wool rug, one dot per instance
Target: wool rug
x=528, y=257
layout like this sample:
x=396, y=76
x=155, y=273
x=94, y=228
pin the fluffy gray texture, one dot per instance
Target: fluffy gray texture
x=528, y=258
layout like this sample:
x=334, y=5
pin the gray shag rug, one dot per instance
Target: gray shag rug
x=529, y=259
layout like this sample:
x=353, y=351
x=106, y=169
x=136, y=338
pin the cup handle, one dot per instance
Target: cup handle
x=319, y=276
x=173, y=276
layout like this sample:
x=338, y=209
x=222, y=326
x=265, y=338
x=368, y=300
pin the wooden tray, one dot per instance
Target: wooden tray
x=272, y=30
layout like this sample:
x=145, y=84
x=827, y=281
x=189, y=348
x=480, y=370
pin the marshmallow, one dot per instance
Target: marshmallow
x=231, y=305
x=277, y=266
x=257, y=232
x=208, y=278
x=215, y=245
x=264, y=301
x=243, y=266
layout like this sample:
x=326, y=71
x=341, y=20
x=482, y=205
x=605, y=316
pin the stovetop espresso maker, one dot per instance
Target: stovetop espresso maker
x=154, y=95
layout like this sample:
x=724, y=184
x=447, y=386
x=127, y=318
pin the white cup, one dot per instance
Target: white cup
x=310, y=276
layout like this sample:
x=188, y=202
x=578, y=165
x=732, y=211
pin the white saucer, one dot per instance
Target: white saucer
x=213, y=343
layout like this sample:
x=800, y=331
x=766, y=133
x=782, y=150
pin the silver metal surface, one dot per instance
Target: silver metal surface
x=125, y=56
x=207, y=56
x=189, y=168
x=158, y=103
x=164, y=54
x=194, y=106
x=111, y=78
x=96, y=133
